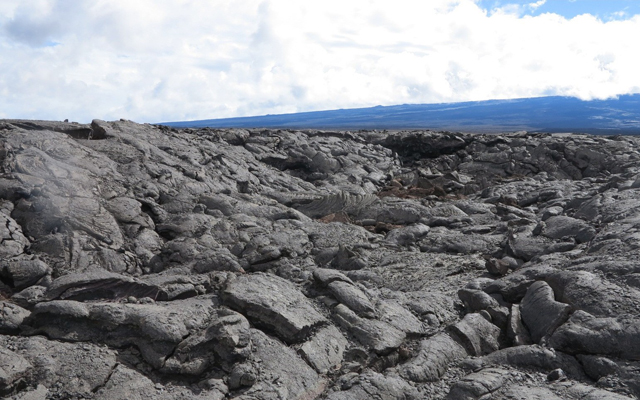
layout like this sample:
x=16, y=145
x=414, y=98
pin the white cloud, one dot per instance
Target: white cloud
x=619, y=15
x=169, y=60
x=537, y=4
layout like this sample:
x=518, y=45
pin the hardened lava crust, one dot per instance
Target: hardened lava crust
x=145, y=262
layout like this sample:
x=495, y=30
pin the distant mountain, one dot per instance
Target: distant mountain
x=543, y=114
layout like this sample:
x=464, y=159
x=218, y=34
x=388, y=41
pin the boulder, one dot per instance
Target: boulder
x=514, y=286
x=11, y=317
x=560, y=226
x=497, y=267
x=223, y=343
x=23, y=273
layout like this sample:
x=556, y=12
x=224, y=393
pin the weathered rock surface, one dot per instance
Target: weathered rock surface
x=274, y=303
x=67, y=369
x=477, y=385
x=434, y=356
x=478, y=335
x=540, y=312
x=325, y=350
x=11, y=317
x=13, y=371
x=586, y=334
x=140, y=261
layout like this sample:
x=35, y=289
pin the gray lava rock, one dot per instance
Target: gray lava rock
x=326, y=276
x=433, y=358
x=557, y=375
x=223, y=343
x=534, y=357
x=596, y=366
x=155, y=329
x=514, y=286
x=274, y=303
x=478, y=335
x=83, y=367
x=497, y=267
x=588, y=292
x=541, y=313
x=12, y=240
x=29, y=297
x=399, y=317
x=128, y=384
x=377, y=335
x=100, y=284
x=23, y=273
x=352, y=297
x=529, y=393
x=13, y=371
x=242, y=375
x=584, y=333
x=477, y=300
x=281, y=372
x=407, y=235
x=167, y=263
x=582, y=391
x=560, y=226
x=324, y=350
x=11, y=317
x=375, y=384
x=516, y=331
x=477, y=385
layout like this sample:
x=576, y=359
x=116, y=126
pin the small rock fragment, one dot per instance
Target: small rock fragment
x=557, y=375
x=497, y=267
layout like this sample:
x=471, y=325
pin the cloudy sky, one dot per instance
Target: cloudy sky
x=172, y=60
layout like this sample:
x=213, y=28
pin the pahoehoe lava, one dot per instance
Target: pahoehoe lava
x=147, y=262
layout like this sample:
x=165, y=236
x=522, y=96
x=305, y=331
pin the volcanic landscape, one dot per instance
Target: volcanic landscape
x=142, y=261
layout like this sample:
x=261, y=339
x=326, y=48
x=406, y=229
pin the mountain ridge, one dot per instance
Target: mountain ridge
x=619, y=115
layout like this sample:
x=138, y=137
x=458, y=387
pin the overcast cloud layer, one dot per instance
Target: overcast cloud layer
x=162, y=60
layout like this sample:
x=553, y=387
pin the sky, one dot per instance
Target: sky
x=175, y=60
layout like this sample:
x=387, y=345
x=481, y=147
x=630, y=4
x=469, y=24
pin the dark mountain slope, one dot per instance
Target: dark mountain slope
x=544, y=114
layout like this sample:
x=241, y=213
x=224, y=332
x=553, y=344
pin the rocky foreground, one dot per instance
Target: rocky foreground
x=143, y=262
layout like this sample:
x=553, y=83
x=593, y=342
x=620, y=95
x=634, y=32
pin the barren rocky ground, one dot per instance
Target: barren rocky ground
x=144, y=262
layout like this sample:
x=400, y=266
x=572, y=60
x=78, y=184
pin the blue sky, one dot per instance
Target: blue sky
x=603, y=9
x=171, y=60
